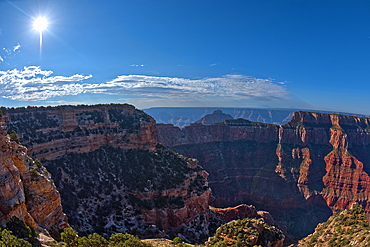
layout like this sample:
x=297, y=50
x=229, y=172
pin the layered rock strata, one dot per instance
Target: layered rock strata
x=300, y=172
x=50, y=132
x=27, y=191
x=112, y=174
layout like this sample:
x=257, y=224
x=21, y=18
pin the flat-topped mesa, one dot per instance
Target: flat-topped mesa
x=54, y=131
x=327, y=119
x=229, y=130
x=317, y=128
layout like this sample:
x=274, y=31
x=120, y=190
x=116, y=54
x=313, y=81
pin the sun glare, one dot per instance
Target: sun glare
x=40, y=24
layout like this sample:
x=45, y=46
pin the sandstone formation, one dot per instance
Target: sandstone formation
x=233, y=213
x=50, y=132
x=300, y=172
x=112, y=174
x=216, y=117
x=27, y=190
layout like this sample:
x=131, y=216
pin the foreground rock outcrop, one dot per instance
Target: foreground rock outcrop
x=347, y=228
x=300, y=172
x=27, y=191
x=112, y=174
x=247, y=232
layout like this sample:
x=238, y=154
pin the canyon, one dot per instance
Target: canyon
x=112, y=174
x=301, y=172
x=118, y=171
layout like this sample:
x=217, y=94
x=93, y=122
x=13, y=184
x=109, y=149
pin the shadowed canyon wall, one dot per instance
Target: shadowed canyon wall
x=300, y=172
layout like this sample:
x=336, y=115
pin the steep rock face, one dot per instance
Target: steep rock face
x=300, y=172
x=27, y=192
x=112, y=175
x=216, y=117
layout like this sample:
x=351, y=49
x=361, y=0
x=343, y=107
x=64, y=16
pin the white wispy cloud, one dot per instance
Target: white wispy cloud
x=10, y=52
x=16, y=47
x=32, y=83
x=64, y=102
x=238, y=86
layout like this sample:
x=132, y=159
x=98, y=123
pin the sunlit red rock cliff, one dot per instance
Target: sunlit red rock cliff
x=300, y=172
x=27, y=191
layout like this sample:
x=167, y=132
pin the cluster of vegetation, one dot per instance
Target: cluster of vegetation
x=38, y=108
x=131, y=123
x=17, y=233
x=96, y=116
x=243, y=122
x=37, y=168
x=114, y=176
x=14, y=137
x=245, y=232
x=30, y=121
x=298, y=125
x=347, y=228
x=71, y=239
x=160, y=170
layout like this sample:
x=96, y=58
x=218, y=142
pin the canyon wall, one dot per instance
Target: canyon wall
x=300, y=172
x=27, y=191
x=112, y=174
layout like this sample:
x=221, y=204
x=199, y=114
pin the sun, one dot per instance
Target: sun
x=40, y=24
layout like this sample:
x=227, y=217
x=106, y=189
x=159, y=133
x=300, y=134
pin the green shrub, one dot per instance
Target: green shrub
x=14, y=137
x=126, y=240
x=8, y=239
x=20, y=230
x=93, y=240
x=34, y=172
x=177, y=240
x=69, y=237
x=38, y=163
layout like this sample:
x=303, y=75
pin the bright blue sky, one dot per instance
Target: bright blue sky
x=303, y=54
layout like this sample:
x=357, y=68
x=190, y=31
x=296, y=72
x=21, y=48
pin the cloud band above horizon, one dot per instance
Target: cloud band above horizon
x=34, y=84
